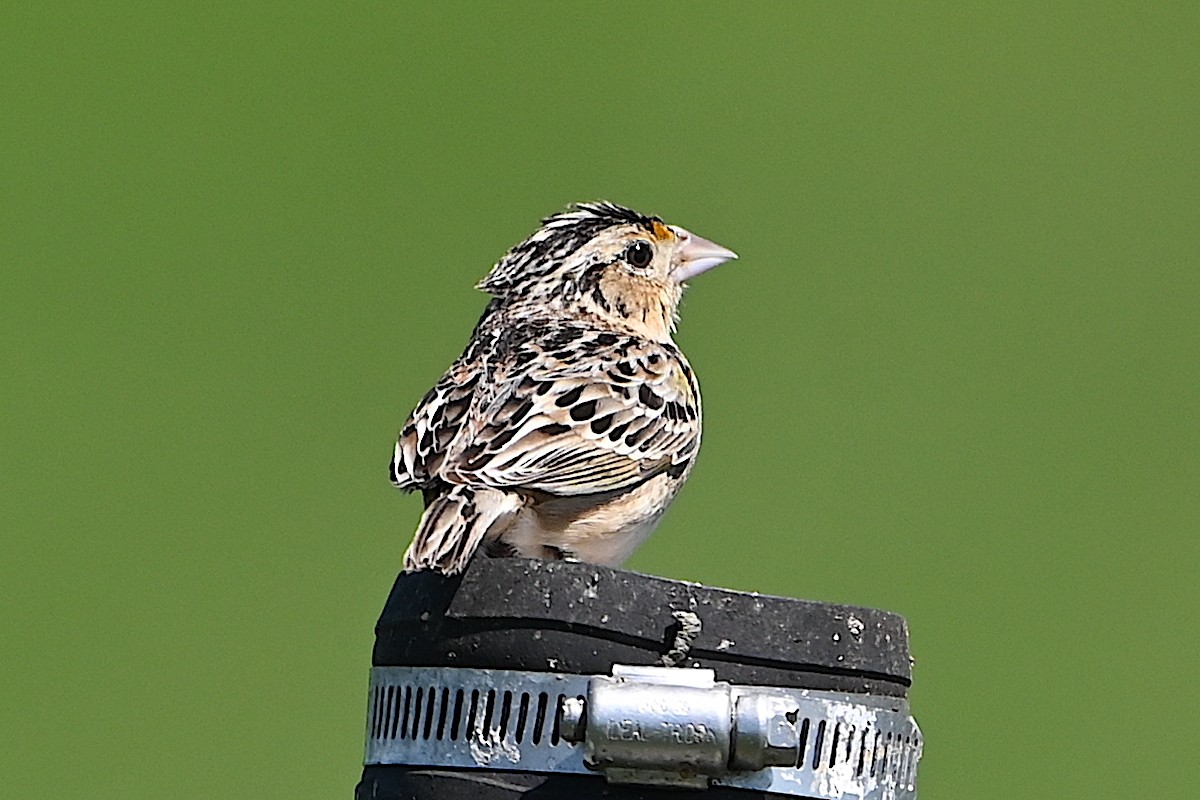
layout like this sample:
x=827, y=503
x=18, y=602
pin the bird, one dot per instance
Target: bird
x=572, y=419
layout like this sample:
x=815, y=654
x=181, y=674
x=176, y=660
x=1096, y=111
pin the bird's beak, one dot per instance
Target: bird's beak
x=696, y=255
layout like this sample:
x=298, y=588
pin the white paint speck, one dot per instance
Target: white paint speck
x=491, y=748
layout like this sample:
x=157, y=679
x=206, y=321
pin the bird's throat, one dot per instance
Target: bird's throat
x=643, y=305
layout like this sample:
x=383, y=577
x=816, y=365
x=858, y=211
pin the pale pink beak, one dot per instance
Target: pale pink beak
x=696, y=255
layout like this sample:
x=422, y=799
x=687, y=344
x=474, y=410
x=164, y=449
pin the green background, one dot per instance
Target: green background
x=954, y=373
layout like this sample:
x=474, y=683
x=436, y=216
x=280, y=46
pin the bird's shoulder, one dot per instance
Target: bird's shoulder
x=516, y=346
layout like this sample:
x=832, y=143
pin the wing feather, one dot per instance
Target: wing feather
x=568, y=425
x=435, y=423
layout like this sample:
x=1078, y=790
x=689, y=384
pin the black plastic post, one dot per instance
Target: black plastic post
x=555, y=616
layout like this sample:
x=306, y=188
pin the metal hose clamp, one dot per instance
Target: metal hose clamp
x=646, y=725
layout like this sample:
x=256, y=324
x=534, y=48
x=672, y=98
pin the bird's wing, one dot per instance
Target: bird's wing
x=434, y=423
x=600, y=413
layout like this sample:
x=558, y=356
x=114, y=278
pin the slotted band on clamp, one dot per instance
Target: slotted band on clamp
x=647, y=725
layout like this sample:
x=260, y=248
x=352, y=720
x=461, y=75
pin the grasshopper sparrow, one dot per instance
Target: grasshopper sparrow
x=571, y=419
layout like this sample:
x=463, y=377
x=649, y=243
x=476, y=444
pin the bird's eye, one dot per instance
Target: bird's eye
x=639, y=255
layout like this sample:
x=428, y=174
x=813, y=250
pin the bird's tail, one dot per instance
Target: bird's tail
x=455, y=524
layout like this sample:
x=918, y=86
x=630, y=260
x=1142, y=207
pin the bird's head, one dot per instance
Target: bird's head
x=603, y=260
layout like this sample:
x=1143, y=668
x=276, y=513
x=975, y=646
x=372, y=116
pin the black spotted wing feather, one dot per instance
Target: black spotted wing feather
x=435, y=423
x=597, y=412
